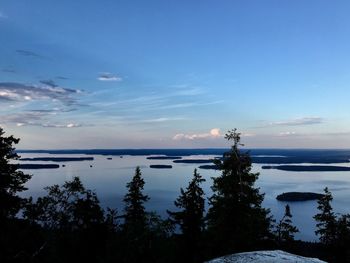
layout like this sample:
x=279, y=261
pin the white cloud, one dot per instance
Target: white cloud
x=69, y=125
x=297, y=122
x=106, y=76
x=163, y=119
x=288, y=133
x=213, y=133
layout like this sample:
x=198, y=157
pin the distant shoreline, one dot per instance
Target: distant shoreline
x=261, y=156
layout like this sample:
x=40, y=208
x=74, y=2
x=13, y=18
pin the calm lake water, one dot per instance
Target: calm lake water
x=109, y=177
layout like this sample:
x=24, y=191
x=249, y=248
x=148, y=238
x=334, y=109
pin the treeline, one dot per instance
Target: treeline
x=69, y=225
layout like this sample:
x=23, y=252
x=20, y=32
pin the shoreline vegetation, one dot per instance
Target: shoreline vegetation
x=68, y=224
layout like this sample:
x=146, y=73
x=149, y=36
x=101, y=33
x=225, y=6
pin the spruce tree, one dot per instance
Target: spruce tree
x=236, y=219
x=326, y=220
x=190, y=218
x=135, y=227
x=135, y=214
x=285, y=229
x=342, y=248
x=11, y=179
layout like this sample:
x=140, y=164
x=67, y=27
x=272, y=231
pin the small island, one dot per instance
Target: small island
x=308, y=168
x=194, y=161
x=58, y=159
x=160, y=166
x=38, y=166
x=164, y=157
x=209, y=167
x=298, y=196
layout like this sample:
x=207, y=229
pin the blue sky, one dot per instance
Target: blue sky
x=159, y=74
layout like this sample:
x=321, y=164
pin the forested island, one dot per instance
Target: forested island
x=308, y=168
x=37, y=166
x=209, y=167
x=299, y=196
x=193, y=161
x=164, y=157
x=160, y=166
x=58, y=159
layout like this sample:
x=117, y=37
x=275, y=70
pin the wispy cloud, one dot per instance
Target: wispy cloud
x=2, y=15
x=69, y=125
x=106, y=76
x=297, y=122
x=213, y=133
x=62, y=77
x=163, y=119
x=9, y=70
x=28, y=53
x=287, y=133
x=13, y=91
x=23, y=117
x=49, y=82
x=36, y=118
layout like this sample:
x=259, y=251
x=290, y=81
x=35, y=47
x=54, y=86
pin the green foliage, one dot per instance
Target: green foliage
x=190, y=218
x=285, y=230
x=326, y=220
x=11, y=179
x=236, y=219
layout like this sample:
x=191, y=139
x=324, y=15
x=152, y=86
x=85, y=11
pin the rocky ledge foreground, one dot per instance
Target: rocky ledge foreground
x=267, y=256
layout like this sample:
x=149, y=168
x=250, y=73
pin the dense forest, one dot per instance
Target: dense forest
x=68, y=224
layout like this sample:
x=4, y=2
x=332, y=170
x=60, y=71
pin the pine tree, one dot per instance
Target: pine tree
x=190, y=218
x=326, y=219
x=285, y=229
x=236, y=219
x=11, y=179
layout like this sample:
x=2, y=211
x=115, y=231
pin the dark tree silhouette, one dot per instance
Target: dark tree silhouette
x=190, y=218
x=68, y=207
x=135, y=214
x=236, y=219
x=285, y=230
x=135, y=225
x=11, y=179
x=74, y=219
x=14, y=232
x=342, y=249
x=326, y=220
